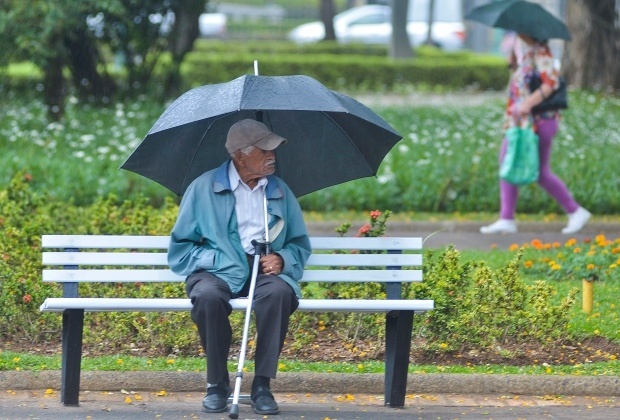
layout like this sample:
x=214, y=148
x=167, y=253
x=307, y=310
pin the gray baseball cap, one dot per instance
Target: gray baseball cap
x=247, y=133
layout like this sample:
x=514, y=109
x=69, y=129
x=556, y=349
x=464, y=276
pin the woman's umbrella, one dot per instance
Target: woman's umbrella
x=522, y=17
x=332, y=138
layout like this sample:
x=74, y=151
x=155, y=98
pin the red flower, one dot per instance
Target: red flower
x=27, y=298
x=374, y=215
x=364, y=229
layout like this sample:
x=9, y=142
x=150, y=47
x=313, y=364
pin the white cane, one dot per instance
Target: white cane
x=258, y=248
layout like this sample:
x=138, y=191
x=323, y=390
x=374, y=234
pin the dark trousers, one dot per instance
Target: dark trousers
x=274, y=302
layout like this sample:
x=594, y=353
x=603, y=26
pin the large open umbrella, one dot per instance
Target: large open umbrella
x=332, y=138
x=521, y=16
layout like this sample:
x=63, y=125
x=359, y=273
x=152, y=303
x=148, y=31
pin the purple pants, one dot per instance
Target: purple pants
x=509, y=193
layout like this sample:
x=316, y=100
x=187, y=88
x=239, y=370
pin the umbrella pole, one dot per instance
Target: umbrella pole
x=259, y=248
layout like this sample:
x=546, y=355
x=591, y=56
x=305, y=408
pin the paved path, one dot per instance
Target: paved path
x=39, y=404
x=466, y=235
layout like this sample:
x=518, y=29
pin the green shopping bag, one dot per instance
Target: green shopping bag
x=521, y=164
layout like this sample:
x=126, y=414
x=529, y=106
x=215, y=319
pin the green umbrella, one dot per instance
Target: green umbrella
x=520, y=16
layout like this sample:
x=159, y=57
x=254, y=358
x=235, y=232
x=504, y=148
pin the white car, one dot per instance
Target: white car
x=372, y=25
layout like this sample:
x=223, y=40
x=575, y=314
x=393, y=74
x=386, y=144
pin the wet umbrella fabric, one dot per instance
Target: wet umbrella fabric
x=332, y=138
x=522, y=17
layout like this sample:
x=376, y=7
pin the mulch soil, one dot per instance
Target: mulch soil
x=328, y=348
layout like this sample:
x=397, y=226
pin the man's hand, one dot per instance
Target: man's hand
x=272, y=264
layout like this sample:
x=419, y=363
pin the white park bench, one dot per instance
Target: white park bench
x=75, y=259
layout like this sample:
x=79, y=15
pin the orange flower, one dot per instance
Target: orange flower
x=537, y=243
x=375, y=214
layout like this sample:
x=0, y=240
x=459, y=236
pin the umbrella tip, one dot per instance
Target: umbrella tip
x=256, y=67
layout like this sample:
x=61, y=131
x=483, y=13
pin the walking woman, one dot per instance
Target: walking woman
x=530, y=56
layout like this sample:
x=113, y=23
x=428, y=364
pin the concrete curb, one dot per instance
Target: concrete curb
x=328, y=383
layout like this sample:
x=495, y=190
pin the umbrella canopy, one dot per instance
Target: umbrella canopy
x=522, y=17
x=332, y=138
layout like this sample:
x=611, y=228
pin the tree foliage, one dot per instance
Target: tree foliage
x=65, y=34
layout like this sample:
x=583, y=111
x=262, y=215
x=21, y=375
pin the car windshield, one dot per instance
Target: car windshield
x=370, y=19
x=445, y=11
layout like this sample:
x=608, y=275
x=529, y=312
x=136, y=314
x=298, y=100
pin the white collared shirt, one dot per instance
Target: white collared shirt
x=249, y=206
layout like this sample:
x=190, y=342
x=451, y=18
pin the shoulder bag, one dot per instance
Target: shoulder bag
x=557, y=100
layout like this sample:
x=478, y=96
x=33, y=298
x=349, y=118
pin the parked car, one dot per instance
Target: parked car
x=372, y=25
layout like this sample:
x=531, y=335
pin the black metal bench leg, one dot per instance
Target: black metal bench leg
x=397, y=349
x=72, y=326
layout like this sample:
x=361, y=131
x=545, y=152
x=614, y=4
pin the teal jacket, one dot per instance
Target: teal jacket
x=205, y=235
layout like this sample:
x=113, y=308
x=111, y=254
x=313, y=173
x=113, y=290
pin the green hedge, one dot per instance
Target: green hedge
x=359, y=71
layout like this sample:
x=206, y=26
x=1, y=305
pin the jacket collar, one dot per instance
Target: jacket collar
x=221, y=183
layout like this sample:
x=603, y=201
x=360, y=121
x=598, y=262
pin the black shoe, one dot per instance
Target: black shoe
x=216, y=400
x=263, y=402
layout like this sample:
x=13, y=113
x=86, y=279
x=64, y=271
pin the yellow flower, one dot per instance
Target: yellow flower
x=443, y=346
x=590, y=266
x=513, y=247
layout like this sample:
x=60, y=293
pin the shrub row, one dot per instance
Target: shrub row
x=462, y=291
x=360, y=68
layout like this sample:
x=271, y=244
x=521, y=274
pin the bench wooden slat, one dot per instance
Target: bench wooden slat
x=151, y=305
x=166, y=275
x=160, y=259
x=162, y=242
x=105, y=241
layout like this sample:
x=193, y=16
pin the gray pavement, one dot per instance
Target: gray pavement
x=178, y=395
x=135, y=405
x=466, y=234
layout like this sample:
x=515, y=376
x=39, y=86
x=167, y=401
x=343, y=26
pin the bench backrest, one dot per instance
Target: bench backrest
x=75, y=259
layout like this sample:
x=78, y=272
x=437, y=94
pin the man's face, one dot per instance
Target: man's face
x=258, y=163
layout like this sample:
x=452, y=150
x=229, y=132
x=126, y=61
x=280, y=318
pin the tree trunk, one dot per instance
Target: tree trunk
x=592, y=58
x=399, y=45
x=84, y=58
x=328, y=11
x=181, y=41
x=54, y=87
x=431, y=17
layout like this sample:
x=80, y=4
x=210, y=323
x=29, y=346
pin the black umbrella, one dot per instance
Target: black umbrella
x=522, y=17
x=332, y=138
